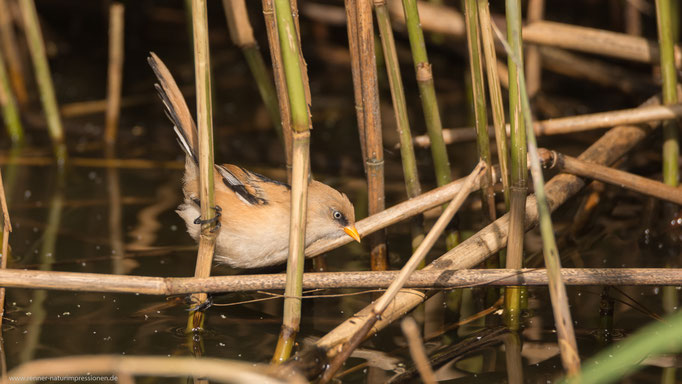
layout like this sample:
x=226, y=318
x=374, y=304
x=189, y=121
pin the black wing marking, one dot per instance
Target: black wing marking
x=240, y=189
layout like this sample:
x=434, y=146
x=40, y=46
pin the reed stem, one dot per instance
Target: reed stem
x=202, y=75
x=409, y=162
x=480, y=108
x=417, y=351
x=11, y=53
x=374, y=158
x=241, y=34
x=280, y=82
x=533, y=65
x=6, y=229
x=488, y=42
x=115, y=72
x=427, y=93
x=300, y=122
x=10, y=112
x=44, y=79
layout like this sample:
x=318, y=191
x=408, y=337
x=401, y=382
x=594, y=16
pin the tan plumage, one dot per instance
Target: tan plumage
x=255, y=209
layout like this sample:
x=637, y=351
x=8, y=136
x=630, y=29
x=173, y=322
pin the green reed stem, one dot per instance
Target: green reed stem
x=10, y=113
x=671, y=148
x=480, y=108
x=36, y=47
x=409, y=161
x=519, y=171
x=291, y=54
x=202, y=75
x=241, y=34
x=614, y=363
x=427, y=93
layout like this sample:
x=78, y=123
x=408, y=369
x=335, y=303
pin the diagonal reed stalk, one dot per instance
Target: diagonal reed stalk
x=10, y=112
x=300, y=122
x=409, y=162
x=557, y=290
x=202, y=75
x=44, y=79
x=241, y=34
x=115, y=72
x=417, y=351
x=518, y=187
x=381, y=304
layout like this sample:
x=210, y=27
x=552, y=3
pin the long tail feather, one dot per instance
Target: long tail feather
x=176, y=107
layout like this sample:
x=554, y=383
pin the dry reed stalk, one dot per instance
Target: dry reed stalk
x=43, y=78
x=572, y=124
x=414, y=340
x=11, y=52
x=480, y=108
x=612, y=176
x=519, y=169
x=93, y=162
x=597, y=71
x=219, y=370
x=300, y=122
x=495, y=91
x=596, y=41
x=633, y=19
x=381, y=304
x=10, y=112
x=492, y=238
x=6, y=229
x=241, y=34
x=82, y=108
x=535, y=12
x=115, y=72
x=434, y=18
x=374, y=158
x=202, y=75
x=352, y=28
x=422, y=279
x=280, y=81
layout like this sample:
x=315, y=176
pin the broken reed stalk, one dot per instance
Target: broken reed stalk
x=6, y=229
x=671, y=147
x=241, y=34
x=36, y=47
x=427, y=94
x=557, y=291
x=115, y=72
x=202, y=76
x=616, y=177
x=480, y=108
x=11, y=53
x=573, y=124
x=300, y=122
x=374, y=158
x=218, y=370
x=533, y=65
x=419, y=357
x=280, y=81
x=380, y=305
x=495, y=91
x=518, y=187
x=409, y=162
x=10, y=112
x=421, y=279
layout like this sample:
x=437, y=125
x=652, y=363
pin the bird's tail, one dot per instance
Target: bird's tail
x=176, y=107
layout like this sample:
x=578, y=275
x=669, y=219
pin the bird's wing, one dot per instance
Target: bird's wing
x=248, y=186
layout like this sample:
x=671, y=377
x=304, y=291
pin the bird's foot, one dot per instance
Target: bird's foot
x=214, y=219
x=200, y=307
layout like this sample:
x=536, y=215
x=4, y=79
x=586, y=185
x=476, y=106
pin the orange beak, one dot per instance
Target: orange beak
x=352, y=232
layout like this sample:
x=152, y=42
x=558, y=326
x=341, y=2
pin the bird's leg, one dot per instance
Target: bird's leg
x=216, y=219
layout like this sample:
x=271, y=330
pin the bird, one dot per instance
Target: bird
x=252, y=210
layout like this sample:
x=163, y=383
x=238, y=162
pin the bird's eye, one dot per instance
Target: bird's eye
x=337, y=215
